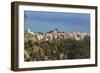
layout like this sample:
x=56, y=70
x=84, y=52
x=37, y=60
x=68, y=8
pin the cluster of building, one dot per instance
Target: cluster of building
x=56, y=34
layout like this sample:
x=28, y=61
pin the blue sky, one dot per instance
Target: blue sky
x=39, y=21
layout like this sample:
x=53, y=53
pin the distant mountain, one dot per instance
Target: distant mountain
x=55, y=35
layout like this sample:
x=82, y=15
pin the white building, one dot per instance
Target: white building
x=29, y=30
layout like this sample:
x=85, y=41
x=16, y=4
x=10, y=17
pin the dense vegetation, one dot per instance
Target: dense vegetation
x=36, y=50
